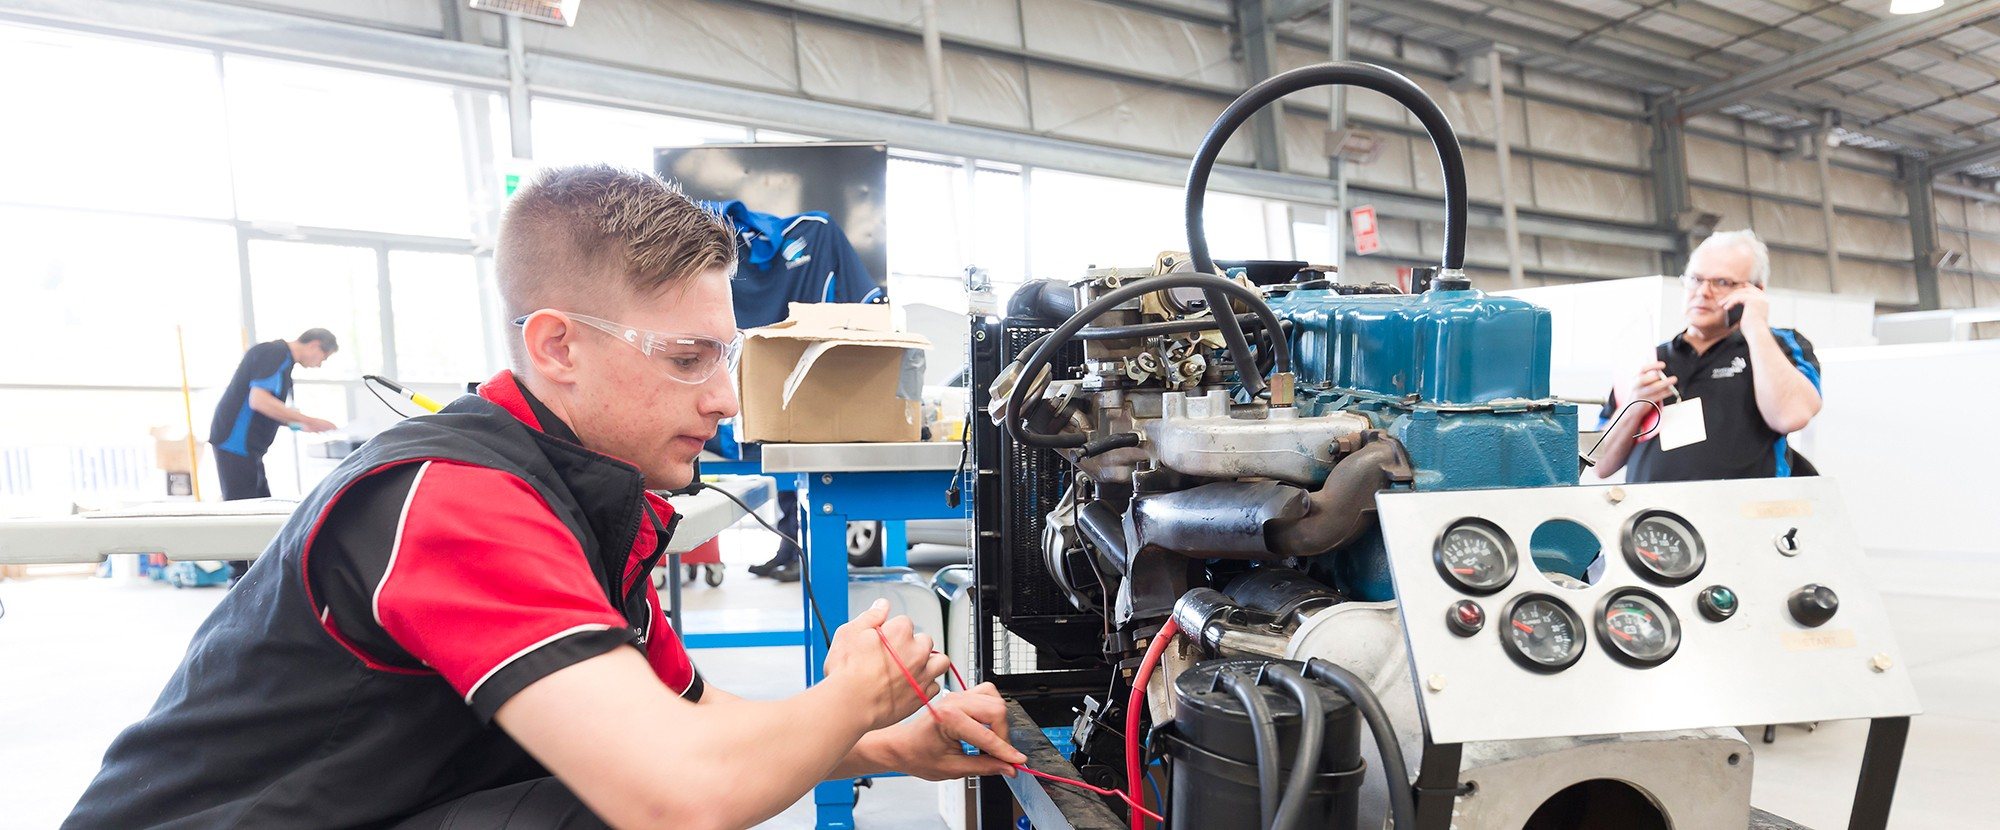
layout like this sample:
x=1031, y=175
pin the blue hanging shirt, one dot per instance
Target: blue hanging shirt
x=782, y=260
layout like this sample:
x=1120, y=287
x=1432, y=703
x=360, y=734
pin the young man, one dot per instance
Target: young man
x=457, y=628
x=251, y=410
x=1756, y=384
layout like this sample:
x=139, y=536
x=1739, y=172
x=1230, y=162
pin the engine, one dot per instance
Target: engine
x=1202, y=449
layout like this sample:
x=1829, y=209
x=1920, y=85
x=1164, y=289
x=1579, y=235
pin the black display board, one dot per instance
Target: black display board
x=846, y=179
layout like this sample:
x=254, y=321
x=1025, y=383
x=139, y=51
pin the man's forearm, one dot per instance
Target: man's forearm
x=1618, y=440
x=870, y=756
x=790, y=757
x=268, y=405
x=1785, y=397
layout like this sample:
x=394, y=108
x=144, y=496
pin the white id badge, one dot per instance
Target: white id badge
x=1681, y=424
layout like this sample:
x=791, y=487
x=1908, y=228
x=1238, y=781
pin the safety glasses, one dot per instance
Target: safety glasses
x=688, y=358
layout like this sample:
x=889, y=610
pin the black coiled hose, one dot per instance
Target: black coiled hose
x=1039, y=355
x=1343, y=73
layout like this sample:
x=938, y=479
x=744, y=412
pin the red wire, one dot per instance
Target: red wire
x=1137, y=807
x=1134, y=705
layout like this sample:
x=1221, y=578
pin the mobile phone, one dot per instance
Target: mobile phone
x=1735, y=315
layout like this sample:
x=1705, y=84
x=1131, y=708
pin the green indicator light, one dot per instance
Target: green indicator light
x=1723, y=598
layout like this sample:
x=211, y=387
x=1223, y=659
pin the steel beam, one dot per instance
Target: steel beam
x=1670, y=182
x=1863, y=44
x=1257, y=39
x=1957, y=160
x=1923, y=230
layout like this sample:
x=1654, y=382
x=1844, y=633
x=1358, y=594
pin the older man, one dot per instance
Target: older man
x=1756, y=384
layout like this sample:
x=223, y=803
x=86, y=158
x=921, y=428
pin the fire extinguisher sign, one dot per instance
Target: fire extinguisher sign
x=1367, y=237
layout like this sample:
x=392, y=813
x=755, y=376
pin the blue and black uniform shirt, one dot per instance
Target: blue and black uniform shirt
x=1739, y=443
x=237, y=428
x=798, y=259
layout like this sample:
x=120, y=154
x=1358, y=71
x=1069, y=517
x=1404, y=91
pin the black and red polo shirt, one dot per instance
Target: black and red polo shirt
x=350, y=679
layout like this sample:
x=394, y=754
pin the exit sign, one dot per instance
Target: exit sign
x=1367, y=235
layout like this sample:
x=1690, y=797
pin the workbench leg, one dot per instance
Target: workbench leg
x=895, y=544
x=826, y=561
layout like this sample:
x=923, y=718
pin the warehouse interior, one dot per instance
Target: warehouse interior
x=1456, y=240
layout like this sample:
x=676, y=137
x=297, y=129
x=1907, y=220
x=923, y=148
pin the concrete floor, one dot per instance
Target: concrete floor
x=80, y=658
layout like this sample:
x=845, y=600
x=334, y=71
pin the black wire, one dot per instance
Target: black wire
x=1312, y=734
x=369, y=382
x=1589, y=456
x=1265, y=733
x=1402, y=801
x=805, y=562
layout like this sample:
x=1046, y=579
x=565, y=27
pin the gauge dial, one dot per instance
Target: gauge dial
x=1475, y=556
x=1542, y=634
x=1638, y=629
x=1663, y=548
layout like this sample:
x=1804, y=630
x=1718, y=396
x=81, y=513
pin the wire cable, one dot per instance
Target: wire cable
x=1589, y=458
x=1135, y=704
x=805, y=561
x=1137, y=806
x=1264, y=733
x=1312, y=735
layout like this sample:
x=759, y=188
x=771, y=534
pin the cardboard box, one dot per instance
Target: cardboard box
x=171, y=451
x=830, y=373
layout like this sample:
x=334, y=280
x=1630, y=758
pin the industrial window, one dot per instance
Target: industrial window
x=567, y=133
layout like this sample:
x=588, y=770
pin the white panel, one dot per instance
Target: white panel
x=1873, y=237
x=1470, y=111
x=1375, y=105
x=1290, y=57
x=1802, y=272
x=842, y=64
x=1955, y=290
x=1400, y=236
x=1709, y=160
x=1608, y=97
x=1788, y=223
x=1982, y=216
x=1788, y=177
x=987, y=91
x=1983, y=253
x=1100, y=33
x=1597, y=137
x=1950, y=209
x=1734, y=209
x=992, y=21
x=1593, y=193
x=1391, y=166
x=1599, y=260
x=401, y=14
x=1716, y=124
x=1861, y=190
x=1951, y=512
x=1482, y=175
x=1090, y=108
x=1305, y=144
x=1490, y=245
x=1866, y=158
x=697, y=38
x=1886, y=283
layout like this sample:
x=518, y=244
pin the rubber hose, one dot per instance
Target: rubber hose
x=1135, y=705
x=1312, y=734
x=1249, y=321
x=1265, y=732
x=1402, y=802
x=1041, y=355
x=1345, y=73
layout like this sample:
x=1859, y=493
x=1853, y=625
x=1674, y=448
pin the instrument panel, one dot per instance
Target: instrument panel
x=1714, y=603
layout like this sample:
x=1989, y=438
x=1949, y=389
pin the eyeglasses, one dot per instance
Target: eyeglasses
x=1721, y=286
x=688, y=358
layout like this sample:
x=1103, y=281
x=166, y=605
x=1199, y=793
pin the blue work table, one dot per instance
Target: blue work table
x=840, y=483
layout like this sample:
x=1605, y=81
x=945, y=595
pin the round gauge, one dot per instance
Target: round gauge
x=1663, y=548
x=1542, y=634
x=1475, y=556
x=1638, y=629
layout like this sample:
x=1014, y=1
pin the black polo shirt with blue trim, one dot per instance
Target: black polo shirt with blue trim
x=1739, y=444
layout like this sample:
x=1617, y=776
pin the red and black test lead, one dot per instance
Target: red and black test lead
x=1137, y=807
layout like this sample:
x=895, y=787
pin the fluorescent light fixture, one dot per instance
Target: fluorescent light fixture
x=1914, y=6
x=558, y=12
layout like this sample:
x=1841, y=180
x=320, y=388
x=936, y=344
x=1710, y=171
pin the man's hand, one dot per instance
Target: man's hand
x=1650, y=383
x=311, y=424
x=1756, y=306
x=856, y=659
x=929, y=748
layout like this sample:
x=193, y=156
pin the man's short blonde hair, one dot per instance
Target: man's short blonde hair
x=588, y=238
